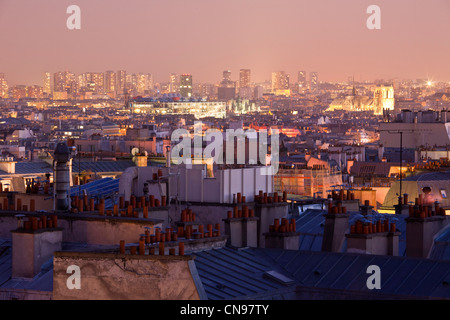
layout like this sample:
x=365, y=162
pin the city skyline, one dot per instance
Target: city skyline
x=234, y=77
x=204, y=39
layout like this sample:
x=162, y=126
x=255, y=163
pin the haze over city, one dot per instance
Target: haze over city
x=204, y=38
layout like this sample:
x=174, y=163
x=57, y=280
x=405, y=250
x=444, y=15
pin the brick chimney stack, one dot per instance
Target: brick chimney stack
x=422, y=225
x=33, y=243
x=336, y=226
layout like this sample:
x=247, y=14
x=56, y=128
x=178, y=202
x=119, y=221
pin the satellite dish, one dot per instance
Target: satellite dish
x=134, y=151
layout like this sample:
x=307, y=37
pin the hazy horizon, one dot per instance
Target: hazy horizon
x=204, y=38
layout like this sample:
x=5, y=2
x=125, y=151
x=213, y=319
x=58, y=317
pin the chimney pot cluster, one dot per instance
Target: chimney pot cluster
x=185, y=230
x=19, y=207
x=189, y=232
x=419, y=210
x=263, y=197
x=140, y=249
x=365, y=228
x=284, y=227
x=342, y=195
x=124, y=208
x=245, y=212
x=337, y=209
x=43, y=222
x=187, y=215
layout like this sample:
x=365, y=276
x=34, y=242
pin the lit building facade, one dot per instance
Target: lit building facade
x=227, y=87
x=47, y=83
x=383, y=99
x=280, y=82
x=110, y=82
x=3, y=86
x=144, y=82
x=200, y=109
x=36, y=92
x=121, y=81
x=244, y=78
x=174, y=83
x=64, y=81
x=186, y=85
x=301, y=81
x=314, y=81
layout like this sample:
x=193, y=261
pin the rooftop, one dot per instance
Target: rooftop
x=311, y=223
x=42, y=167
x=251, y=273
x=430, y=176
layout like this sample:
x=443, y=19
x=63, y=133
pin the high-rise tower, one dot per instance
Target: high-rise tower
x=186, y=85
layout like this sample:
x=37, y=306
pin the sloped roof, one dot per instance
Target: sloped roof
x=241, y=274
x=30, y=168
x=430, y=176
x=43, y=281
x=400, y=276
x=244, y=274
x=42, y=167
x=360, y=168
x=441, y=248
x=311, y=223
x=102, y=188
x=228, y=273
x=101, y=166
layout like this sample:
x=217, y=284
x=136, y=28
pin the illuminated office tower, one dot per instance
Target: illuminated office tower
x=227, y=88
x=301, y=81
x=207, y=90
x=110, y=82
x=81, y=81
x=95, y=82
x=64, y=81
x=3, y=86
x=132, y=82
x=245, y=91
x=47, y=83
x=174, y=83
x=19, y=92
x=99, y=80
x=226, y=75
x=186, y=85
x=314, y=81
x=244, y=78
x=149, y=82
x=36, y=92
x=197, y=89
x=59, y=81
x=89, y=83
x=280, y=81
x=121, y=81
x=143, y=83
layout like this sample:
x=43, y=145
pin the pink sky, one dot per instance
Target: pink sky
x=205, y=37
